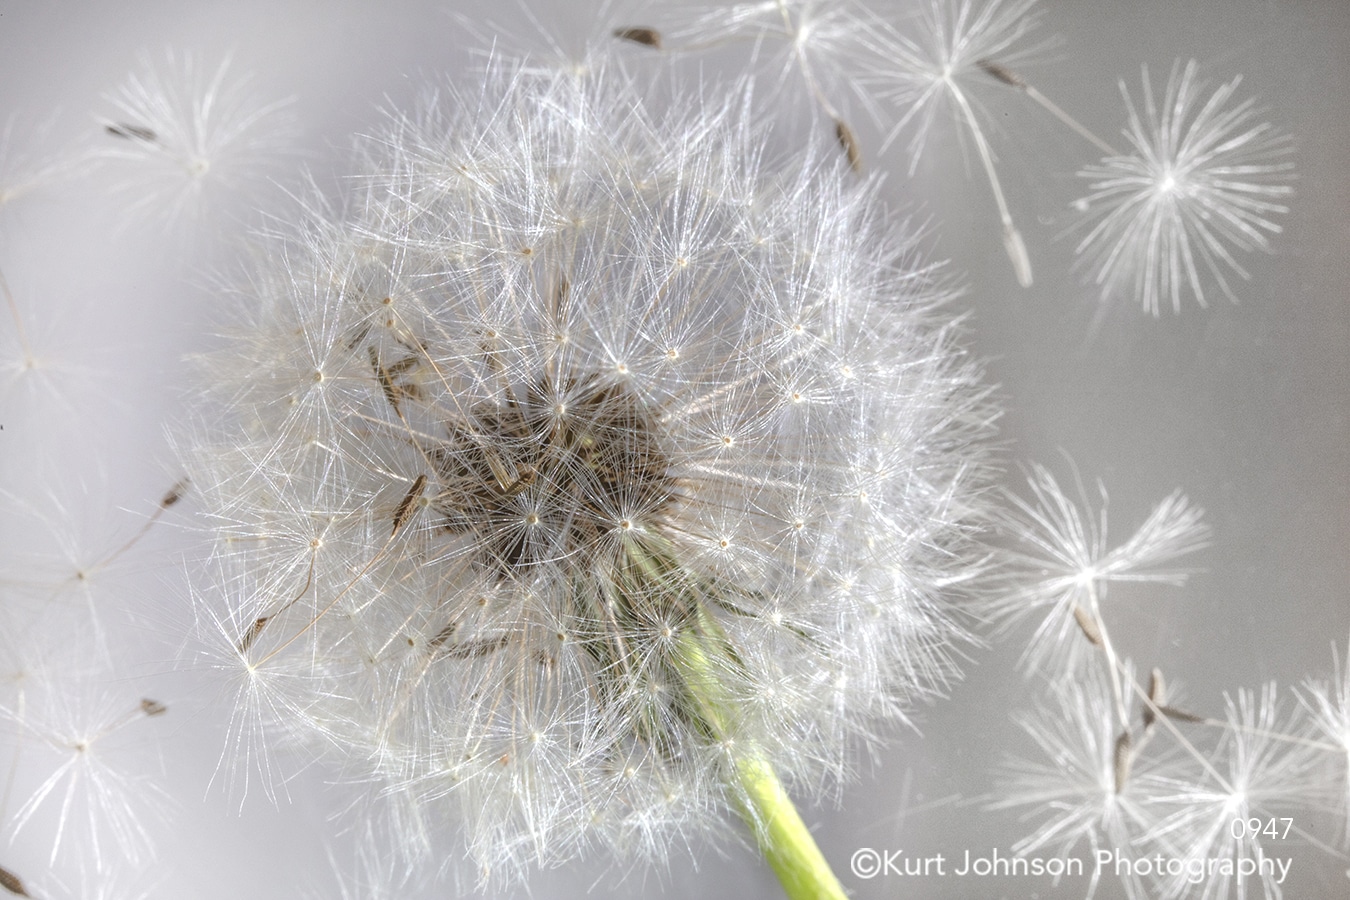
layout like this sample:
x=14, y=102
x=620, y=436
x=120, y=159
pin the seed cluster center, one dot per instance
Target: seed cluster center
x=549, y=472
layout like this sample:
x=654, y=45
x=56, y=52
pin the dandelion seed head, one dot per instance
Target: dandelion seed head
x=474, y=556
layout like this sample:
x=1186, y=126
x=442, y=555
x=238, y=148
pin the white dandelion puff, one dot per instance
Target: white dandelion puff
x=923, y=74
x=587, y=471
x=185, y=136
x=1061, y=566
x=1074, y=792
x=1204, y=180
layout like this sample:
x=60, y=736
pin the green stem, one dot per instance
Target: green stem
x=782, y=835
x=779, y=831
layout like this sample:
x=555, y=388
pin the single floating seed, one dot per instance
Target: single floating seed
x=648, y=37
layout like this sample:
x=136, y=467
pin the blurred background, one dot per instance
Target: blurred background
x=1244, y=407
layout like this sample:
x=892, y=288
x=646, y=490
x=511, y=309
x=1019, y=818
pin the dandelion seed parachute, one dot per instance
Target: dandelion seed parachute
x=1204, y=179
x=582, y=454
x=183, y=137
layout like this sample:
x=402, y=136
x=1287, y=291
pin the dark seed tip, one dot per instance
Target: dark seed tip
x=648, y=37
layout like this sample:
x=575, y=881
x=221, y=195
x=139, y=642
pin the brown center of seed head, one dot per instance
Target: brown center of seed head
x=546, y=475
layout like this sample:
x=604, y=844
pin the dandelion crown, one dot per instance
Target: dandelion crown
x=586, y=471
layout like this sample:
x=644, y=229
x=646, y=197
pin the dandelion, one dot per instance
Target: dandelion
x=186, y=135
x=1074, y=790
x=1264, y=768
x=1062, y=565
x=589, y=478
x=94, y=800
x=1203, y=180
x=922, y=74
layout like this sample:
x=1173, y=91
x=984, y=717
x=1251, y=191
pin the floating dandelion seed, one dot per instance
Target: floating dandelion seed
x=922, y=74
x=588, y=473
x=1265, y=767
x=1083, y=786
x=187, y=135
x=98, y=804
x=1061, y=564
x=1203, y=180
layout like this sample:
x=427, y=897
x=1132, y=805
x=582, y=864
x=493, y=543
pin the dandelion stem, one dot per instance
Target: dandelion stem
x=1012, y=238
x=1015, y=80
x=1076, y=126
x=782, y=836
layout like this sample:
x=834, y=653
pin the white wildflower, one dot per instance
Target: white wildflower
x=1202, y=181
x=584, y=467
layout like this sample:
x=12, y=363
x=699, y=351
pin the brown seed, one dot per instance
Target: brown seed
x=252, y=634
x=1123, y=758
x=132, y=132
x=391, y=393
x=1178, y=715
x=648, y=37
x=1088, y=623
x=174, y=495
x=359, y=336
x=403, y=365
x=405, y=505
x=12, y=883
x=844, y=135
x=153, y=707
x=475, y=649
x=1157, y=695
x=1002, y=73
x=443, y=635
